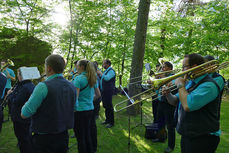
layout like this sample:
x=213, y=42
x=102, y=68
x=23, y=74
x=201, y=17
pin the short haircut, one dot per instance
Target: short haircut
x=168, y=64
x=107, y=61
x=56, y=62
x=208, y=58
x=157, y=65
x=194, y=58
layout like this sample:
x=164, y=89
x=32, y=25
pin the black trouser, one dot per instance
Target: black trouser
x=1, y=117
x=96, y=104
x=154, y=107
x=94, y=132
x=82, y=129
x=107, y=104
x=201, y=144
x=8, y=103
x=167, y=110
x=50, y=143
x=22, y=132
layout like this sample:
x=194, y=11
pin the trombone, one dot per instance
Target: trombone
x=8, y=63
x=153, y=74
x=157, y=83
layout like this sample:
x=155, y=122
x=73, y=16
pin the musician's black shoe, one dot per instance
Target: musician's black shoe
x=109, y=125
x=157, y=140
x=168, y=150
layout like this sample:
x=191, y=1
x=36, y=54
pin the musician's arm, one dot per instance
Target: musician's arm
x=11, y=75
x=172, y=99
x=30, y=107
x=97, y=93
x=183, y=93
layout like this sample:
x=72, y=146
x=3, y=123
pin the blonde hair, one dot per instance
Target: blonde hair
x=89, y=68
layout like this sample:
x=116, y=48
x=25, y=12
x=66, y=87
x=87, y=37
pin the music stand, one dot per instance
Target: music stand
x=131, y=101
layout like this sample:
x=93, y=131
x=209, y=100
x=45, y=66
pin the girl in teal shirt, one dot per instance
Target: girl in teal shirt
x=87, y=90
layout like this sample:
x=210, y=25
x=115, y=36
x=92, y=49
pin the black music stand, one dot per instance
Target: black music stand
x=141, y=118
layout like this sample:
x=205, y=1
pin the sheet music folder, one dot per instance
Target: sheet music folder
x=29, y=73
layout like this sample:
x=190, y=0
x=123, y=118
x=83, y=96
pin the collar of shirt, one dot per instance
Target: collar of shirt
x=197, y=80
x=211, y=74
x=107, y=69
x=83, y=73
x=54, y=76
x=190, y=83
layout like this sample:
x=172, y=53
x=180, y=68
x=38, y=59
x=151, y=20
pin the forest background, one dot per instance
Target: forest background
x=30, y=30
x=99, y=29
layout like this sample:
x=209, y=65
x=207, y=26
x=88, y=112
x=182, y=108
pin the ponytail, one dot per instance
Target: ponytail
x=91, y=74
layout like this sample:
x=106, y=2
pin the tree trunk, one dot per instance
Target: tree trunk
x=138, y=51
x=71, y=27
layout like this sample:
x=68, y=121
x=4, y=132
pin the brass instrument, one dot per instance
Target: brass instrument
x=223, y=65
x=157, y=83
x=155, y=75
x=8, y=63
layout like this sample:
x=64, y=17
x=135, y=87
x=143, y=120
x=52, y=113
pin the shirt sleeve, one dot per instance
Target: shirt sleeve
x=219, y=80
x=39, y=94
x=109, y=75
x=12, y=73
x=202, y=95
x=76, y=82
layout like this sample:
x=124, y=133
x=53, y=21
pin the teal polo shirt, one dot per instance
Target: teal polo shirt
x=86, y=96
x=219, y=80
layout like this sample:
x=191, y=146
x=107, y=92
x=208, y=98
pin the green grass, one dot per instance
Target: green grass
x=115, y=140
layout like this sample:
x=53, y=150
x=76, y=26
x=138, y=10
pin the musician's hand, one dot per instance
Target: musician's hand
x=180, y=81
x=165, y=90
x=9, y=91
x=170, y=84
x=99, y=73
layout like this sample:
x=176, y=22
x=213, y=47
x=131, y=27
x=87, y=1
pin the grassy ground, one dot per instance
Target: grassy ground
x=115, y=140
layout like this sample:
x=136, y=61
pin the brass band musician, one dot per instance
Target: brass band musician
x=198, y=109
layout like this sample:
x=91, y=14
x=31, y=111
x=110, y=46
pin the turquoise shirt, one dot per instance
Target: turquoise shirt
x=86, y=96
x=107, y=77
x=219, y=80
x=72, y=73
x=11, y=72
x=39, y=94
x=201, y=96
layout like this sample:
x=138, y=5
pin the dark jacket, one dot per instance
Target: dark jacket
x=19, y=97
x=56, y=112
x=202, y=121
x=2, y=83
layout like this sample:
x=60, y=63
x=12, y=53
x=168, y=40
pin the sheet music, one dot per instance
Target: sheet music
x=29, y=73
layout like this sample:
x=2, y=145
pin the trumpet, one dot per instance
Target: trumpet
x=157, y=83
x=8, y=63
